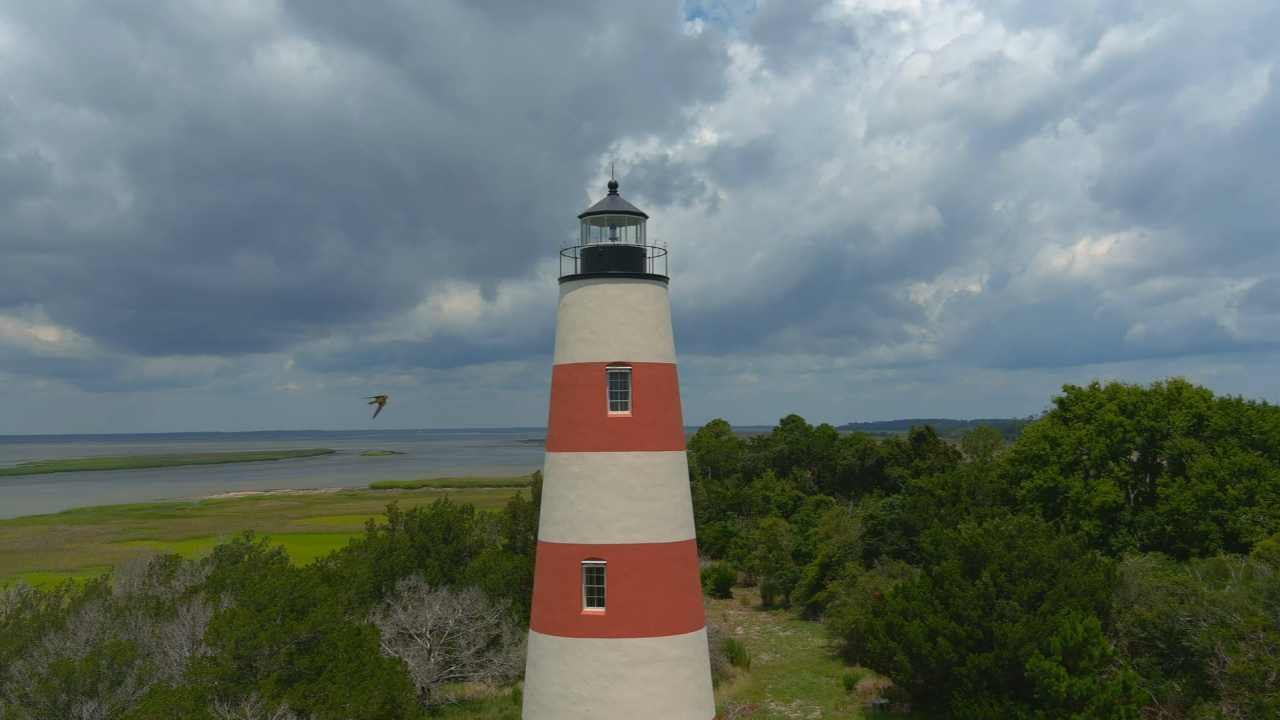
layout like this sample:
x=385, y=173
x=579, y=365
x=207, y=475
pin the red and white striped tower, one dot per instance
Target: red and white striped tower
x=618, y=630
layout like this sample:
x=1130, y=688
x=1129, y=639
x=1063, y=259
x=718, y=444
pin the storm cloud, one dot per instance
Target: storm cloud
x=875, y=208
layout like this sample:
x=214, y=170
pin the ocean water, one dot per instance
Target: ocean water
x=426, y=455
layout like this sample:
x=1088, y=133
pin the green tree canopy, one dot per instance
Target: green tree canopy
x=1166, y=468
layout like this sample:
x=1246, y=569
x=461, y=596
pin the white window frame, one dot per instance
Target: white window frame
x=608, y=395
x=604, y=587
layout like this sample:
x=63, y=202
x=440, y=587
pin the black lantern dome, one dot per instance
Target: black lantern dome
x=613, y=242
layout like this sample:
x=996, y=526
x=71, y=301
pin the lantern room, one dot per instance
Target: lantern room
x=613, y=241
x=613, y=220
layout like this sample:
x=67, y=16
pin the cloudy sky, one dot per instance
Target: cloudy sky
x=248, y=214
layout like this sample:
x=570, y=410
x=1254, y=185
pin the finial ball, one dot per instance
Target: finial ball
x=613, y=186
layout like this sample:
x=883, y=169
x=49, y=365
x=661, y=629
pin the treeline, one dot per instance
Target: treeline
x=954, y=429
x=433, y=598
x=1118, y=560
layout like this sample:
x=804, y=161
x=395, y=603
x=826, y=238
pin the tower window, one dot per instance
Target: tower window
x=593, y=584
x=619, y=389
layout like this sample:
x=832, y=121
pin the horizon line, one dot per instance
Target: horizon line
x=350, y=431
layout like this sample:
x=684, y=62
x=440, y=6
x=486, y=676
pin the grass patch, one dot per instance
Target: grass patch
x=341, y=519
x=302, y=548
x=375, y=453
x=139, y=462
x=738, y=654
x=49, y=579
x=449, y=483
x=88, y=540
x=793, y=670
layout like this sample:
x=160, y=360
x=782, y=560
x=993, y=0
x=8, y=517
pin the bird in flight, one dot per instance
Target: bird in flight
x=379, y=400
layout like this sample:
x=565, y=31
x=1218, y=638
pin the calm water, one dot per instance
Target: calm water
x=426, y=455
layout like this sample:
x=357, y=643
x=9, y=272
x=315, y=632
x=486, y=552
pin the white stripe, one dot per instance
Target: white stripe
x=666, y=678
x=626, y=320
x=616, y=497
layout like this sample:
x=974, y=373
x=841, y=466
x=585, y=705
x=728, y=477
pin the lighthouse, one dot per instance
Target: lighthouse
x=618, y=629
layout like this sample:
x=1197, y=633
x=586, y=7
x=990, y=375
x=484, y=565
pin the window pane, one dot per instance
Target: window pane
x=619, y=390
x=593, y=586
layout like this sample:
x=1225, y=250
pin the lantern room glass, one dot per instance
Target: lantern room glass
x=626, y=229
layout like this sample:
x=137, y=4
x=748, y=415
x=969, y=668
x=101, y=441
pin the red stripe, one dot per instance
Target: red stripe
x=651, y=590
x=580, y=419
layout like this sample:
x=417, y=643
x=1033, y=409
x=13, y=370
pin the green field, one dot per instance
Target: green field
x=138, y=462
x=84, y=542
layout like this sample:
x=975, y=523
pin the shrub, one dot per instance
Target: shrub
x=1072, y=682
x=987, y=597
x=850, y=682
x=770, y=593
x=718, y=580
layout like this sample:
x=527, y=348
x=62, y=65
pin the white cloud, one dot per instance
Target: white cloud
x=33, y=332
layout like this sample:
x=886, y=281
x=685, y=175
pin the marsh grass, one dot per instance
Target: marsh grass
x=140, y=462
x=739, y=656
x=86, y=541
x=376, y=453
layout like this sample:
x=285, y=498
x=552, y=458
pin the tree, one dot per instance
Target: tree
x=861, y=467
x=1072, y=683
x=714, y=451
x=770, y=560
x=986, y=597
x=504, y=569
x=839, y=543
x=289, y=636
x=983, y=444
x=1203, y=635
x=922, y=454
x=440, y=541
x=1166, y=468
x=446, y=637
x=101, y=649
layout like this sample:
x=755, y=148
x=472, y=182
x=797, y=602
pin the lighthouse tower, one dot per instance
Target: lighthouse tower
x=618, y=630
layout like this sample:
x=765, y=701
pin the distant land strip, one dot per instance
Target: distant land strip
x=1010, y=428
x=140, y=462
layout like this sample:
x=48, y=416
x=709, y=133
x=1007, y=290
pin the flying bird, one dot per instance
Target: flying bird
x=379, y=400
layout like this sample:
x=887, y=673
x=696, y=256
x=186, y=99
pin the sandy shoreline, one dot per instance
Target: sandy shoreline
x=281, y=491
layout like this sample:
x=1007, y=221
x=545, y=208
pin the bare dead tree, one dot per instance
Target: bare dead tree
x=115, y=687
x=738, y=710
x=143, y=632
x=173, y=644
x=446, y=637
x=251, y=707
x=13, y=596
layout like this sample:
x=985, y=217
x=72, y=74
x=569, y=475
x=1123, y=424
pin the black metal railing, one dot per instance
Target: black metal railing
x=613, y=258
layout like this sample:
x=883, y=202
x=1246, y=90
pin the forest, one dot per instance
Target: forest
x=1117, y=560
